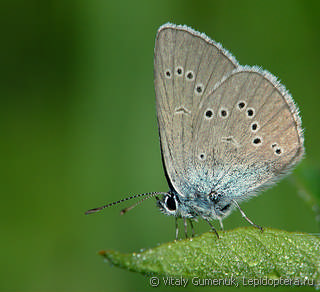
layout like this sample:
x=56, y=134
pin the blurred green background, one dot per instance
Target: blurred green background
x=78, y=128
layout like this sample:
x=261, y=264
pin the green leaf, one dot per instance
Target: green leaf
x=240, y=253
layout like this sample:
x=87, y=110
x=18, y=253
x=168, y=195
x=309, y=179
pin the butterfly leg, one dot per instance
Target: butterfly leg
x=185, y=227
x=221, y=223
x=245, y=217
x=177, y=228
x=212, y=228
x=191, y=225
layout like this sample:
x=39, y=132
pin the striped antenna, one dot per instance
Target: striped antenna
x=149, y=195
x=125, y=210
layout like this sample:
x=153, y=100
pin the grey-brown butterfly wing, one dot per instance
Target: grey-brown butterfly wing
x=187, y=66
x=253, y=136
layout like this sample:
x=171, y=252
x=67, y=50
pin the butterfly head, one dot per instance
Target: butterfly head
x=174, y=205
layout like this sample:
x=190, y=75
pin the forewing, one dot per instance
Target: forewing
x=187, y=67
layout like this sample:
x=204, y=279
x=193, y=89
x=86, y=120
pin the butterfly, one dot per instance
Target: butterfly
x=226, y=131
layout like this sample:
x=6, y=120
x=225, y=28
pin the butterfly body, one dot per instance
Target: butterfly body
x=212, y=206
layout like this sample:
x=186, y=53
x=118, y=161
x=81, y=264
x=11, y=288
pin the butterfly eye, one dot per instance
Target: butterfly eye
x=170, y=203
